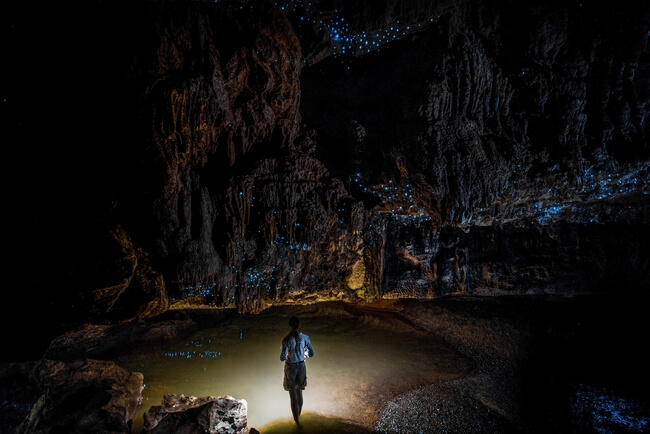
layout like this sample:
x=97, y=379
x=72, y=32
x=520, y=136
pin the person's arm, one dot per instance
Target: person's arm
x=310, y=349
x=285, y=350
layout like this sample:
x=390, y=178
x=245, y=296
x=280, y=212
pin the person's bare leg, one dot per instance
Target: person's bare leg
x=296, y=403
x=299, y=401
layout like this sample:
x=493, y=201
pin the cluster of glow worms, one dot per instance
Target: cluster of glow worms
x=545, y=213
x=201, y=290
x=390, y=193
x=346, y=41
x=546, y=210
x=617, y=184
x=596, y=188
x=200, y=353
x=343, y=38
x=287, y=250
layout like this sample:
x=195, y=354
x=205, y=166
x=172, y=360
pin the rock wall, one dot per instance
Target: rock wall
x=241, y=154
x=497, y=120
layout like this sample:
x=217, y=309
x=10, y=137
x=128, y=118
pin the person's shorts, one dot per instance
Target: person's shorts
x=295, y=374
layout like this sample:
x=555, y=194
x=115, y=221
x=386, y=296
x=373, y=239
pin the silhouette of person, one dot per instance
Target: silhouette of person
x=296, y=346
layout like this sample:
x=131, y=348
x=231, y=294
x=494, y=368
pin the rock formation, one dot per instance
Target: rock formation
x=77, y=388
x=247, y=153
x=84, y=396
x=189, y=414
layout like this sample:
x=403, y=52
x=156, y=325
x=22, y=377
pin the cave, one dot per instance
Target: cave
x=476, y=169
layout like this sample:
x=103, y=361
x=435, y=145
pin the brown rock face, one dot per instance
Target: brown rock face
x=85, y=396
x=205, y=126
x=241, y=154
x=460, y=125
x=245, y=213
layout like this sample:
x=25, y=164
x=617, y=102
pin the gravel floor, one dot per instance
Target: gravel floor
x=541, y=365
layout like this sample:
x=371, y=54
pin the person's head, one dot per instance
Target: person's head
x=294, y=322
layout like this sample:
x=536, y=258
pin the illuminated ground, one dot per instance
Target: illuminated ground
x=512, y=364
x=363, y=359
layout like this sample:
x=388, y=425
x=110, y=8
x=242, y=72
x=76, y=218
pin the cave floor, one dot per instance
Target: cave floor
x=540, y=364
x=534, y=364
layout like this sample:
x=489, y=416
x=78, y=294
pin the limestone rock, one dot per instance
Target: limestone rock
x=189, y=414
x=84, y=396
x=108, y=341
x=236, y=157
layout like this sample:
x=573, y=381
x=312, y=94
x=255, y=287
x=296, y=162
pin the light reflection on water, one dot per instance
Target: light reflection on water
x=360, y=363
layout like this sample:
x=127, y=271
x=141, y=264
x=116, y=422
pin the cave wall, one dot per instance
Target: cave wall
x=248, y=153
x=505, y=113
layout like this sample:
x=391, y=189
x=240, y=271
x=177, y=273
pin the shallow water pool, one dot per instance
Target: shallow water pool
x=361, y=361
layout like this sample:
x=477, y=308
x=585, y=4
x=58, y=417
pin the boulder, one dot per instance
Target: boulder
x=192, y=415
x=84, y=396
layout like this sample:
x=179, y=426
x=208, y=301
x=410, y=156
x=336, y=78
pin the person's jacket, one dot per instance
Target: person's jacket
x=295, y=347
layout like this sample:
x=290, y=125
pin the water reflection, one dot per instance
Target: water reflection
x=361, y=362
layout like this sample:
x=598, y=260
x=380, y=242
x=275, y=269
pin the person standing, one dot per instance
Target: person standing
x=296, y=346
